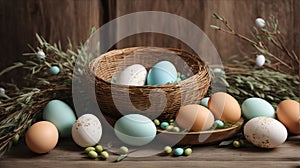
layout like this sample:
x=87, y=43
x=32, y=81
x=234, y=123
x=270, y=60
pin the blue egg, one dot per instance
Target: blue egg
x=255, y=107
x=219, y=123
x=204, y=102
x=54, y=70
x=135, y=129
x=178, y=151
x=163, y=125
x=61, y=115
x=162, y=73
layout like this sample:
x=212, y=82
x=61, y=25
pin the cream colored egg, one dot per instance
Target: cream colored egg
x=134, y=75
x=87, y=130
x=265, y=132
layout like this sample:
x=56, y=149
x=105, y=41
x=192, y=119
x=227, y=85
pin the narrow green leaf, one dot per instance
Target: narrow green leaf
x=121, y=157
x=16, y=65
x=215, y=27
x=216, y=16
x=226, y=143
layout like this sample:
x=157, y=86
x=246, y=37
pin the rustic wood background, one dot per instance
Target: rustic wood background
x=58, y=19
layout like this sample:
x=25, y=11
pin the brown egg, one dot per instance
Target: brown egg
x=194, y=117
x=224, y=107
x=288, y=112
x=41, y=137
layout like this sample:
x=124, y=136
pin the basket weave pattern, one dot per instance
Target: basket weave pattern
x=116, y=100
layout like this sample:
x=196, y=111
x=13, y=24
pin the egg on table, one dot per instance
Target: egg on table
x=61, y=115
x=41, y=137
x=224, y=107
x=162, y=73
x=134, y=75
x=265, y=132
x=255, y=107
x=194, y=117
x=87, y=130
x=135, y=129
x=288, y=112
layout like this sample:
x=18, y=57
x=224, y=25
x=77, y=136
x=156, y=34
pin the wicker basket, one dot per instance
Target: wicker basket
x=116, y=100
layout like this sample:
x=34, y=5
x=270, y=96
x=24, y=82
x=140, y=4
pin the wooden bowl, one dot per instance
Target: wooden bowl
x=203, y=137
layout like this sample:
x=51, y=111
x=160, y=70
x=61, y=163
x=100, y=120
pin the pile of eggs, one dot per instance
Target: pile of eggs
x=59, y=121
x=163, y=72
x=264, y=127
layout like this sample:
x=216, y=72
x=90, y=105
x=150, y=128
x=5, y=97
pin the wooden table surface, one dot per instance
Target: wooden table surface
x=67, y=154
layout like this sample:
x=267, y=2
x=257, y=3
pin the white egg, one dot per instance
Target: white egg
x=87, y=130
x=260, y=22
x=265, y=132
x=133, y=75
x=260, y=60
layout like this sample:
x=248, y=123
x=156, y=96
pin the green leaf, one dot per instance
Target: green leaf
x=16, y=65
x=226, y=143
x=216, y=16
x=215, y=27
x=121, y=157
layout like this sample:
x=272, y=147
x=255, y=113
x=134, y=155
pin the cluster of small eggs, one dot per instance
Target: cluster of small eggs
x=94, y=152
x=54, y=70
x=163, y=72
x=178, y=151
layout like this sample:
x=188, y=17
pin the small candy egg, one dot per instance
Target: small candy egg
x=54, y=70
x=124, y=149
x=41, y=55
x=87, y=130
x=168, y=149
x=188, y=151
x=288, y=113
x=104, y=155
x=93, y=154
x=265, y=132
x=178, y=151
x=194, y=117
x=2, y=90
x=164, y=125
x=156, y=122
x=162, y=73
x=255, y=107
x=260, y=22
x=134, y=75
x=61, y=115
x=219, y=124
x=135, y=129
x=98, y=148
x=260, y=60
x=224, y=107
x=204, y=101
x=41, y=137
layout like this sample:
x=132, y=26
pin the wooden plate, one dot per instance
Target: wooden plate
x=204, y=137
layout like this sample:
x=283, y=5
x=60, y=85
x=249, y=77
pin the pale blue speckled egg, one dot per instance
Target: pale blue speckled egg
x=61, y=115
x=135, y=129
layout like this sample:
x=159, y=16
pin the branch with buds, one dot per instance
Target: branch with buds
x=263, y=32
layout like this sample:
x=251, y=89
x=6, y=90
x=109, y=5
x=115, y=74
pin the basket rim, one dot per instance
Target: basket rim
x=199, y=61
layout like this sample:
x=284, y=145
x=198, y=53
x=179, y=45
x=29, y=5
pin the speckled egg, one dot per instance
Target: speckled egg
x=87, y=130
x=61, y=115
x=134, y=75
x=162, y=73
x=265, y=132
x=255, y=107
x=135, y=129
x=224, y=107
x=288, y=112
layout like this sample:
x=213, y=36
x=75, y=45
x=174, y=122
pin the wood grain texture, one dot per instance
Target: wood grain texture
x=67, y=154
x=240, y=14
x=55, y=20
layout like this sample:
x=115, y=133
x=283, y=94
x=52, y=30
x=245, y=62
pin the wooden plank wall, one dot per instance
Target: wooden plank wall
x=56, y=20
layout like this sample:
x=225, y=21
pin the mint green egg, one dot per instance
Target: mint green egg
x=255, y=107
x=61, y=115
x=135, y=129
x=161, y=73
x=204, y=102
